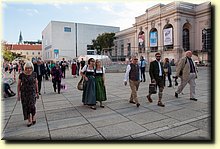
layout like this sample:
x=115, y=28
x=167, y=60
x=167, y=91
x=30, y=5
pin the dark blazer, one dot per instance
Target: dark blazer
x=154, y=70
x=42, y=69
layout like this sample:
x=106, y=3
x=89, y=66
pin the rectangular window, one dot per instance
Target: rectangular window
x=67, y=29
x=32, y=53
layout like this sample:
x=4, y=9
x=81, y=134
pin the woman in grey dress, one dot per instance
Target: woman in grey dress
x=89, y=93
x=28, y=92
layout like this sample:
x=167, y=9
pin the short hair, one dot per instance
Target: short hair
x=28, y=64
x=157, y=54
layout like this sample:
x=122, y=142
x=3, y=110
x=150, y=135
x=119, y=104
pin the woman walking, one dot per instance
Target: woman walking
x=74, y=68
x=168, y=72
x=28, y=92
x=89, y=91
x=100, y=83
x=56, y=77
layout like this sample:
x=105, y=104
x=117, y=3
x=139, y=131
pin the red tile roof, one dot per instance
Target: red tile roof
x=23, y=47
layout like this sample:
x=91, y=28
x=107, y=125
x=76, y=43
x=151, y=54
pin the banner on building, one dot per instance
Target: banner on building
x=153, y=39
x=168, y=36
x=56, y=53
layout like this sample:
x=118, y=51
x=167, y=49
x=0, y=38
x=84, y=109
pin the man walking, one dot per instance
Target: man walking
x=186, y=70
x=40, y=70
x=133, y=75
x=63, y=65
x=156, y=72
x=142, y=65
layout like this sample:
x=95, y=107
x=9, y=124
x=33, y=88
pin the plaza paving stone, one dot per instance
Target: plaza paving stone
x=64, y=117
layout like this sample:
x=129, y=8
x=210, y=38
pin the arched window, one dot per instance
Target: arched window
x=186, y=36
x=153, y=40
x=168, y=37
x=186, y=39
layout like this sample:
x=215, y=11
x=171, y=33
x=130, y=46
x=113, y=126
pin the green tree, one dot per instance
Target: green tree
x=8, y=55
x=103, y=42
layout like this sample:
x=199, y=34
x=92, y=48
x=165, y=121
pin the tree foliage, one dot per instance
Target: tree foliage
x=8, y=55
x=103, y=42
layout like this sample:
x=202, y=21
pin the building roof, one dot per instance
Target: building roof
x=23, y=47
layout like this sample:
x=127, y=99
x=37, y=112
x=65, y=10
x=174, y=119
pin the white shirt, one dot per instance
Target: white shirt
x=160, y=70
x=101, y=71
x=128, y=69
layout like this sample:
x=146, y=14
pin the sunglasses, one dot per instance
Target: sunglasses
x=158, y=56
x=135, y=59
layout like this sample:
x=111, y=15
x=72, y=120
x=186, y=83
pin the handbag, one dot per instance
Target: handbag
x=152, y=88
x=80, y=84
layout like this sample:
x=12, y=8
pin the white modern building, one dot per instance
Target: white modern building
x=69, y=40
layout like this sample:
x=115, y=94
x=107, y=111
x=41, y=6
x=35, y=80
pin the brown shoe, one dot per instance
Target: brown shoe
x=149, y=99
x=160, y=104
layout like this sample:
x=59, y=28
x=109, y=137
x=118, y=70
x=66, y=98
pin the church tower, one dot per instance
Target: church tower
x=20, y=39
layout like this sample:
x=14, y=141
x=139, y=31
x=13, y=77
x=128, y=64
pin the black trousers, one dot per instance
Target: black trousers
x=143, y=73
x=39, y=78
x=63, y=72
x=56, y=85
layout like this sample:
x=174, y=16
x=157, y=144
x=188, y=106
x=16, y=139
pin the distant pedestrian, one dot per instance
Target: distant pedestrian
x=56, y=77
x=28, y=92
x=40, y=71
x=63, y=65
x=156, y=72
x=74, y=68
x=134, y=76
x=82, y=63
x=78, y=67
x=186, y=70
x=89, y=91
x=168, y=72
x=142, y=65
x=100, y=83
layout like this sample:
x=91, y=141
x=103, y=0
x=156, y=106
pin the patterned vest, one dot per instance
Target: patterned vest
x=134, y=72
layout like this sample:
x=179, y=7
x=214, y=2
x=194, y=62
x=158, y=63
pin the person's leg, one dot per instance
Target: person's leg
x=170, y=82
x=39, y=78
x=160, y=93
x=133, y=90
x=58, y=86
x=54, y=85
x=182, y=85
x=144, y=74
x=135, y=93
x=192, y=84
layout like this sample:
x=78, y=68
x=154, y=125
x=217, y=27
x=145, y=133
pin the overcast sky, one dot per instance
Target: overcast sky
x=32, y=17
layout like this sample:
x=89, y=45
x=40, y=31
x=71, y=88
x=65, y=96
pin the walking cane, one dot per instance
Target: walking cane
x=44, y=85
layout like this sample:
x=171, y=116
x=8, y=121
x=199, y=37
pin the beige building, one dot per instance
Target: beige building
x=169, y=29
x=27, y=51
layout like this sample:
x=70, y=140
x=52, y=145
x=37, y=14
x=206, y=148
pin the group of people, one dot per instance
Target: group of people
x=94, y=83
x=94, y=90
x=185, y=69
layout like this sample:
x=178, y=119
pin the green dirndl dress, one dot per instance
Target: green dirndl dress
x=100, y=87
x=89, y=94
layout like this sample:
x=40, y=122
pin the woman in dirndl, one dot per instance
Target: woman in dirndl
x=100, y=83
x=89, y=90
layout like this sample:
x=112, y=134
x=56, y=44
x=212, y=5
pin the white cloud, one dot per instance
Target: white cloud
x=106, y=6
x=30, y=12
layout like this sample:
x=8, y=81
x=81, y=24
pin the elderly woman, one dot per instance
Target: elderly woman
x=100, y=83
x=28, y=92
x=89, y=91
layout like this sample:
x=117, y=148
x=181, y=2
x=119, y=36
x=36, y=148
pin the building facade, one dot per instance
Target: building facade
x=69, y=40
x=169, y=29
x=27, y=51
